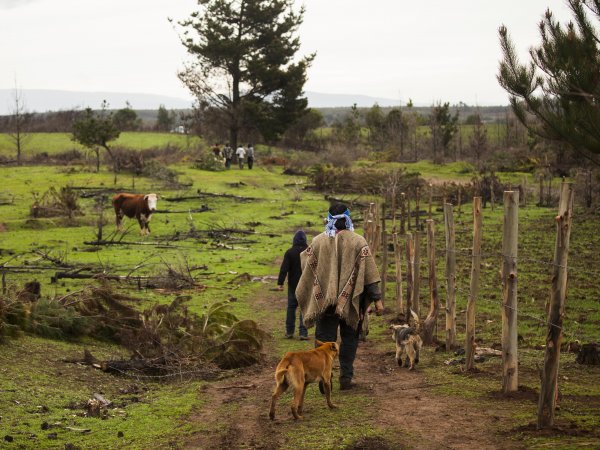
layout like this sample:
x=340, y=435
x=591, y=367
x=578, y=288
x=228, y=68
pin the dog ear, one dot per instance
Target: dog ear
x=318, y=342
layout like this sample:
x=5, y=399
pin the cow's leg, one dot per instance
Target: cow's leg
x=142, y=222
x=148, y=223
x=119, y=219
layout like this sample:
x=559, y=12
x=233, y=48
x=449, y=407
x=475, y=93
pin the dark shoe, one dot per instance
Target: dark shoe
x=304, y=338
x=346, y=384
x=289, y=336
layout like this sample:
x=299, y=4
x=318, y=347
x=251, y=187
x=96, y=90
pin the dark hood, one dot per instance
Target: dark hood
x=300, y=239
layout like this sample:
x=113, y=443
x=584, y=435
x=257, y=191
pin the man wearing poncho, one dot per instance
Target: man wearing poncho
x=339, y=280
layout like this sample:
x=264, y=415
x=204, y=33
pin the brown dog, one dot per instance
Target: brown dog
x=297, y=369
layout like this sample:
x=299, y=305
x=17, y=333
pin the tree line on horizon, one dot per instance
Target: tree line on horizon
x=248, y=79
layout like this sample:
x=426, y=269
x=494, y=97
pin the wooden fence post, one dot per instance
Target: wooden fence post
x=410, y=250
x=376, y=232
x=398, y=261
x=434, y=304
x=510, y=369
x=417, y=209
x=402, y=213
x=393, y=208
x=416, y=304
x=546, y=404
x=384, y=263
x=474, y=288
x=430, y=199
x=450, y=277
x=408, y=212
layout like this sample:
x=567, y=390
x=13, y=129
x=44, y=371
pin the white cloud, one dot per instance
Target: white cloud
x=400, y=49
x=8, y=4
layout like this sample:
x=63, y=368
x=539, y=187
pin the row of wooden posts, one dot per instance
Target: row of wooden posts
x=377, y=237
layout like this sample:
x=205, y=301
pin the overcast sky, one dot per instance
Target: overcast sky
x=425, y=50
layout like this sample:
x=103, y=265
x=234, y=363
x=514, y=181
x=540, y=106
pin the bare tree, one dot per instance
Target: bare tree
x=19, y=121
x=478, y=140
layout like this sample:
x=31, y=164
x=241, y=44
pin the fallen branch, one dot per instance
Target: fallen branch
x=187, y=211
x=209, y=194
x=239, y=386
x=154, y=244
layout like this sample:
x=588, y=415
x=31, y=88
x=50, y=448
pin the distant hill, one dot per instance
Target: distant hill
x=43, y=100
x=333, y=106
x=320, y=100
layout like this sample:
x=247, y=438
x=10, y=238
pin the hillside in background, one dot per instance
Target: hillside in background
x=43, y=100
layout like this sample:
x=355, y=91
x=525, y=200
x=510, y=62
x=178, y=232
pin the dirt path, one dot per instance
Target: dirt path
x=234, y=411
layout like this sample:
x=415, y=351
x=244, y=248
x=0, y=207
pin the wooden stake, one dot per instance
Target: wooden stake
x=416, y=273
x=474, y=288
x=430, y=199
x=408, y=213
x=402, y=213
x=384, y=255
x=450, y=277
x=410, y=258
x=547, y=400
x=510, y=372
x=398, y=262
x=434, y=304
x=417, y=209
x=393, y=208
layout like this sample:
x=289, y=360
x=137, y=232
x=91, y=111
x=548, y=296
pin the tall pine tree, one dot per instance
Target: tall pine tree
x=245, y=66
x=556, y=95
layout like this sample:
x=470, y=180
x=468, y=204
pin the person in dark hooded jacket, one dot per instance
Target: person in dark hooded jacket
x=291, y=268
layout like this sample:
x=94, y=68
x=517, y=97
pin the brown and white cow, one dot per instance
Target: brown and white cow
x=139, y=206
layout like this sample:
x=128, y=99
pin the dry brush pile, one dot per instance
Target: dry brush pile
x=164, y=340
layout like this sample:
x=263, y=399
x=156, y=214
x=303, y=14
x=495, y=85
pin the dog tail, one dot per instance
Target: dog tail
x=416, y=319
x=281, y=376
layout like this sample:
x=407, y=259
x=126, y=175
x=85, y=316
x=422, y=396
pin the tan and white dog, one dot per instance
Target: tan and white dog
x=408, y=343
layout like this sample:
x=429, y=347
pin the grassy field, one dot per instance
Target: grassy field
x=37, y=387
x=52, y=143
x=496, y=133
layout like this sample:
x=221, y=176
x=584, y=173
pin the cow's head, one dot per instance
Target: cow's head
x=151, y=200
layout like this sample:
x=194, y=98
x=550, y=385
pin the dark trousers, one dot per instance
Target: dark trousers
x=290, y=318
x=326, y=331
x=228, y=162
x=250, y=162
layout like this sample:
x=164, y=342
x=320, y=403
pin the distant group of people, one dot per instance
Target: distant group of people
x=241, y=153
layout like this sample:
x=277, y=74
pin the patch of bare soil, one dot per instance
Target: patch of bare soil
x=235, y=413
x=406, y=402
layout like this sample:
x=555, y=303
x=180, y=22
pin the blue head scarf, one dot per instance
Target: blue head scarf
x=330, y=228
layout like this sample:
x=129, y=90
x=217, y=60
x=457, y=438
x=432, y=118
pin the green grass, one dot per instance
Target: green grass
x=52, y=143
x=32, y=373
